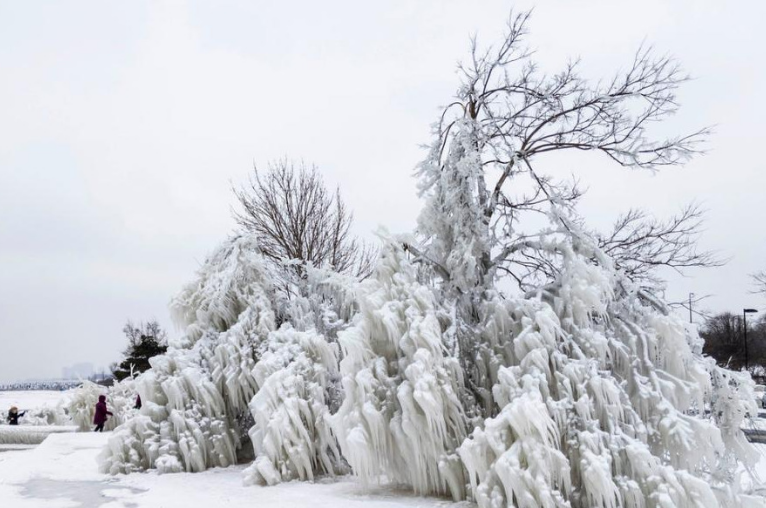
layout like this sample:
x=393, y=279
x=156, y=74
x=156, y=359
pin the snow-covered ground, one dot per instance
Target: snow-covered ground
x=62, y=473
x=29, y=399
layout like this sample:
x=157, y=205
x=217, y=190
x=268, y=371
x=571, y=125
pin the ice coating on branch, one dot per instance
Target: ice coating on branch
x=401, y=416
x=452, y=216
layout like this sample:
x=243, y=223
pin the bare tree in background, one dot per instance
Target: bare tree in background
x=760, y=281
x=135, y=332
x=724, y=341
x=295, y=217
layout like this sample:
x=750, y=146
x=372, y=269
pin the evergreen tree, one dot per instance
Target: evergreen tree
x=145, y=341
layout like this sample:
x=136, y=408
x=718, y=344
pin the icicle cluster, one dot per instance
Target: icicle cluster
x=291, y=436
x=401, y=416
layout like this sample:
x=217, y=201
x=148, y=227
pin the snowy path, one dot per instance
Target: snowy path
x=62, y=473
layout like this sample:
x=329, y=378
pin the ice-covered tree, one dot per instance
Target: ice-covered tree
x=145, y=340
x=401, y=416
x=582, y=391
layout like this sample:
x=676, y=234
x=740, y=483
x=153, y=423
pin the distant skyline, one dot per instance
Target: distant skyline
x=124, y=126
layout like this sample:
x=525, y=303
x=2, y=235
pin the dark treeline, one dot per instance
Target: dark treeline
x=41, y=385
x=725, y=341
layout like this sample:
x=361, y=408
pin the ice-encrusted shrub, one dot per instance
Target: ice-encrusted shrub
x=291, y=437
x=600, y=397
x=401, y=416
x=46, y=415
x=120, y=399
x=82, y=404
x=194, y=393
x=234, y=368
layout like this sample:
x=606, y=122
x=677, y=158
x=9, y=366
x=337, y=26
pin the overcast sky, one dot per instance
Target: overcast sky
x=123, y=125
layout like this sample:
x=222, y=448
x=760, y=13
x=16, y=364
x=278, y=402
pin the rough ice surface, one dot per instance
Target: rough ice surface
x=30, y=434
x=291, y=436
x=596, y=396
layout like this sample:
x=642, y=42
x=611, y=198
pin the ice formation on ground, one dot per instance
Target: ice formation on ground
x=30, y=434
x=46, y=415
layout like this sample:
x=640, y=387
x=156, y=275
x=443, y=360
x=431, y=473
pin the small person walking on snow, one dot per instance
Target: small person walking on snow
x=99, y=419
x=14, y=415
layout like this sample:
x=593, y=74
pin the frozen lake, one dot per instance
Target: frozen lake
x=28, y=399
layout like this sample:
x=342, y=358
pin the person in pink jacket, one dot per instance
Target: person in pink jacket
x=99, y=419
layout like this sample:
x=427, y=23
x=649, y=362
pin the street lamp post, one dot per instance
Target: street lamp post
x=745, y=312
x=691, y=295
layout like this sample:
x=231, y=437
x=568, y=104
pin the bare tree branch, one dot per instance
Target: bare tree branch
x=639, y=244
x=760, y=281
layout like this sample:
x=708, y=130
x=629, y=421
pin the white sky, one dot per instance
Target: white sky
x=123, y=124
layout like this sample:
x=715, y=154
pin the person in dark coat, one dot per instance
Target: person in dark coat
x=14, y=415
x=99, y=419
x=138, y=402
